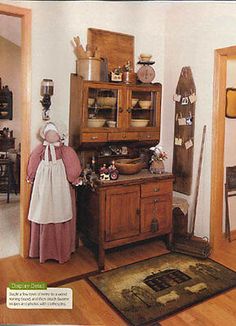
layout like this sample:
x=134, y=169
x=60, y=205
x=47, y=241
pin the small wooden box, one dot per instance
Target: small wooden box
x=115, y=77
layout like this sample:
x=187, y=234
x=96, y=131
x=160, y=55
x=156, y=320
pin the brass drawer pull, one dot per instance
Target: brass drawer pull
x=156, y=189
x=129, y=110
x=120, y=110
x=123, y=136
x=148, y=136
x=94, y=137
x=155, y=201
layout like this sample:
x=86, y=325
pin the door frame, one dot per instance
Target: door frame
x=26, y=18
x=218, y=142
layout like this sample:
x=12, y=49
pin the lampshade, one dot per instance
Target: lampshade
x=47, y=86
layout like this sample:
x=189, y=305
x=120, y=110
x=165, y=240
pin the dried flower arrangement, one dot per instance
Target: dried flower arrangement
x=158, y=154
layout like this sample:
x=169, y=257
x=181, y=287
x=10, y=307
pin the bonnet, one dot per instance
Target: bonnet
x=60, y=128
x=47, y=127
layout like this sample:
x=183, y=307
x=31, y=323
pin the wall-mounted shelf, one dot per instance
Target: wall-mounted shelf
x=5, y=103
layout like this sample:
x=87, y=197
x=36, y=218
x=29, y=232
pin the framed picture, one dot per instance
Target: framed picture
x=230, y=109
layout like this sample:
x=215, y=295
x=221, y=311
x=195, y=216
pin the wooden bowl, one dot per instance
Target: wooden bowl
x=124, y=167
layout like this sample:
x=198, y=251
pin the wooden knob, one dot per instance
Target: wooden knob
x=94, y=137
x=156, y=189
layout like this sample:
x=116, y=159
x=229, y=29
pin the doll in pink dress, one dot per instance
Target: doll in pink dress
x=52, y=169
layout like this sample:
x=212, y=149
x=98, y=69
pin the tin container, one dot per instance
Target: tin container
x=89, y=68
x=129, y=77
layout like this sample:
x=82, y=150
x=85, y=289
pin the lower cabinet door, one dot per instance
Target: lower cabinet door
x=122, y=212
x=156, y=214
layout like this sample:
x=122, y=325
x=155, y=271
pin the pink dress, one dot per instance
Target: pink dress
x=55, y=240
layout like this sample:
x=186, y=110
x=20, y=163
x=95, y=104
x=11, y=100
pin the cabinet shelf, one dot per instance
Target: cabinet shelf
x=102, y=108
x=140, y=109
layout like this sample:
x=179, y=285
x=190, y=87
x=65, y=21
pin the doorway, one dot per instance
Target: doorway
x=10, y=134
x=218, y=146
x=25, y=16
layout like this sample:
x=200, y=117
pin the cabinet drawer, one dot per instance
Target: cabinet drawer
x=122, y=136
x=94, y=137
x=152, y=135
x=156, y=188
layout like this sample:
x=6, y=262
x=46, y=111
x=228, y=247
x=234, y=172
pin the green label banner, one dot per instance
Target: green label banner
x=27, y=285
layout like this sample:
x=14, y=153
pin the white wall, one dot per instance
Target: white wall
x=230, y=140
x=10, y=67
x=193, y=31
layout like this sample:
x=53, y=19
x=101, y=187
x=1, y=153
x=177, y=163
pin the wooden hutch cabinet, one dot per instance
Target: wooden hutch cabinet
x=130, y=209
x=134, y=207
x=88, y=102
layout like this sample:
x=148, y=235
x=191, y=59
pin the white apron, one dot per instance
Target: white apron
x=50, y=199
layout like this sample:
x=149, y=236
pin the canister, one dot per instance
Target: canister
x=89, y=68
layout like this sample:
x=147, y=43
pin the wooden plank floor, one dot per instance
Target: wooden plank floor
x=90, y=309
x=18, y=269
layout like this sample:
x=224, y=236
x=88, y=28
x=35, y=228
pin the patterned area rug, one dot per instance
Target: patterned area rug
x=155, y=288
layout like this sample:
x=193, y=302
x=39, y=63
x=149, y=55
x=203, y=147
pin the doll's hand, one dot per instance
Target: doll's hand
x=78, y=182
x=29, y=181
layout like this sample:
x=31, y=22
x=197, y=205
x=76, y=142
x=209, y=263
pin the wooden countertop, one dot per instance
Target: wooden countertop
x=141, y=177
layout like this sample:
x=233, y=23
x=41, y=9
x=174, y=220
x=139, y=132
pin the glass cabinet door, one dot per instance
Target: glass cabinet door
x=102, y=108
x=143, y=108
